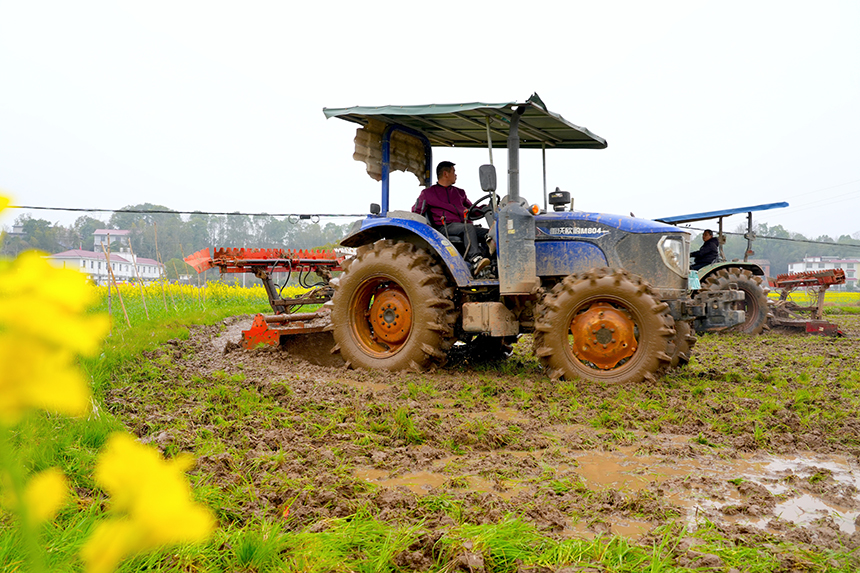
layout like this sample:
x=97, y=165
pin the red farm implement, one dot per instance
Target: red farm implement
x=263, y=264
x=788, y=315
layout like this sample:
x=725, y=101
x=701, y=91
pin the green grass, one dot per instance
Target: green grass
x=724, y=397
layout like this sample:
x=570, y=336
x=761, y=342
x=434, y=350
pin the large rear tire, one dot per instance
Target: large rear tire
x=754, y=304
x=392, y=309
x=603, y=325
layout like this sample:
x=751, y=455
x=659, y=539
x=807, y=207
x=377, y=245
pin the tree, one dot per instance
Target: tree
x=147, y=229
x=37, y=234
x=82, y=231
x=175, y=268
x=196, y=233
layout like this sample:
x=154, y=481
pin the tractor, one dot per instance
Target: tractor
x=605, y=297
x=744, y=275
x=781, y=315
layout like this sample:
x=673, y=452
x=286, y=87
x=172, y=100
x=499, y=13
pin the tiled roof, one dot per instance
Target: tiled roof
x=115, y=257
x=115, y=232
x=79, y=254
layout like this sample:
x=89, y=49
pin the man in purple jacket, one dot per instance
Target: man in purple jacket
x=448, y=207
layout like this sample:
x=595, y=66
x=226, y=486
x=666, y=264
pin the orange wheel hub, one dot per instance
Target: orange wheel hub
x=603, y=335
x=380, y=317
x=391, y=316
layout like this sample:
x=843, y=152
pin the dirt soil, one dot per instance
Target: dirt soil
x=758, y=435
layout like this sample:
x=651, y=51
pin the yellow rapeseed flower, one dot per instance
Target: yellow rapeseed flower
x=45, y=494
x=49, y=304
x=152, y=498
x=43, y=328
x=34, y=377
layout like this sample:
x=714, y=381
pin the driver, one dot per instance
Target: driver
x=709, y=252
x=449, y=207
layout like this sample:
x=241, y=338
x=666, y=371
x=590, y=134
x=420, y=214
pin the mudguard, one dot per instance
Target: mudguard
x=374, y=228
x=707, y=271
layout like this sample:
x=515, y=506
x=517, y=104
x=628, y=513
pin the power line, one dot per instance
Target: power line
x=823, y=189
x=302, y=216
x=818, y=203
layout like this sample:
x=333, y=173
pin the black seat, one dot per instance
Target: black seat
x=455, y=240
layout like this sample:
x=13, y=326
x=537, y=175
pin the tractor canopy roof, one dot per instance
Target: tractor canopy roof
x=478, y=124
x=680, y=219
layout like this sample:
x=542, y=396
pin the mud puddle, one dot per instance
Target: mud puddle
x=755, y=490
x=426, y=482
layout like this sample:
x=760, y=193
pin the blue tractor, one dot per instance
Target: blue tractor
x=737, y=274
x=606, y=297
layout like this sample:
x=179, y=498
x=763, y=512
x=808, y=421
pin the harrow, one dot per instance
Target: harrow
x=788, y=315
x=263, y=264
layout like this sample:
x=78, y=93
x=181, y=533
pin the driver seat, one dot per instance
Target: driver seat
x=455, y=240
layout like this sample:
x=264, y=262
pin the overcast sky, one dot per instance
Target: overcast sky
x=217, y=106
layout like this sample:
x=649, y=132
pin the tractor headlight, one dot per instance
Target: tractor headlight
x=675, y=254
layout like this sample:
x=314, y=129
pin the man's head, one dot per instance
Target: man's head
x=707, y=235
x=446, y=174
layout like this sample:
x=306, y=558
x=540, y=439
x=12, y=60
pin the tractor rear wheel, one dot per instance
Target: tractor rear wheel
x=754, y=304
x=392, y=309
x=603, y=325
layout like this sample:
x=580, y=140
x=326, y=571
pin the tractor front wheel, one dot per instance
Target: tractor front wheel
x=684, y=341
x=392, y=309
x=604, y=325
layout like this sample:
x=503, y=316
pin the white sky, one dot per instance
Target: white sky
x=217, y=106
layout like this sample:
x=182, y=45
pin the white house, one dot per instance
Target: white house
x=108, y=237
x=850, y=267
x=126, y=267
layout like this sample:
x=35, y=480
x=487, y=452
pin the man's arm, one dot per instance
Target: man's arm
x=466, y=203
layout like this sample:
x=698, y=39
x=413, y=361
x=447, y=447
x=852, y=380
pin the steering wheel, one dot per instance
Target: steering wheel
x=477, y=211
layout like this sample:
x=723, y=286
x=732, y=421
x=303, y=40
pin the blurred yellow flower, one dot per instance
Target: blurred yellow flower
x=43, y=327
x=32, y=377
x=153, y=499
x=49, y=304
x=45, y=494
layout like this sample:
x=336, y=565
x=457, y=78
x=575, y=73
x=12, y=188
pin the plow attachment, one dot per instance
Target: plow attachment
x=788, y=315
x=263, y=264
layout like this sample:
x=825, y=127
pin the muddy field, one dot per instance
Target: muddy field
x=759, y=438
